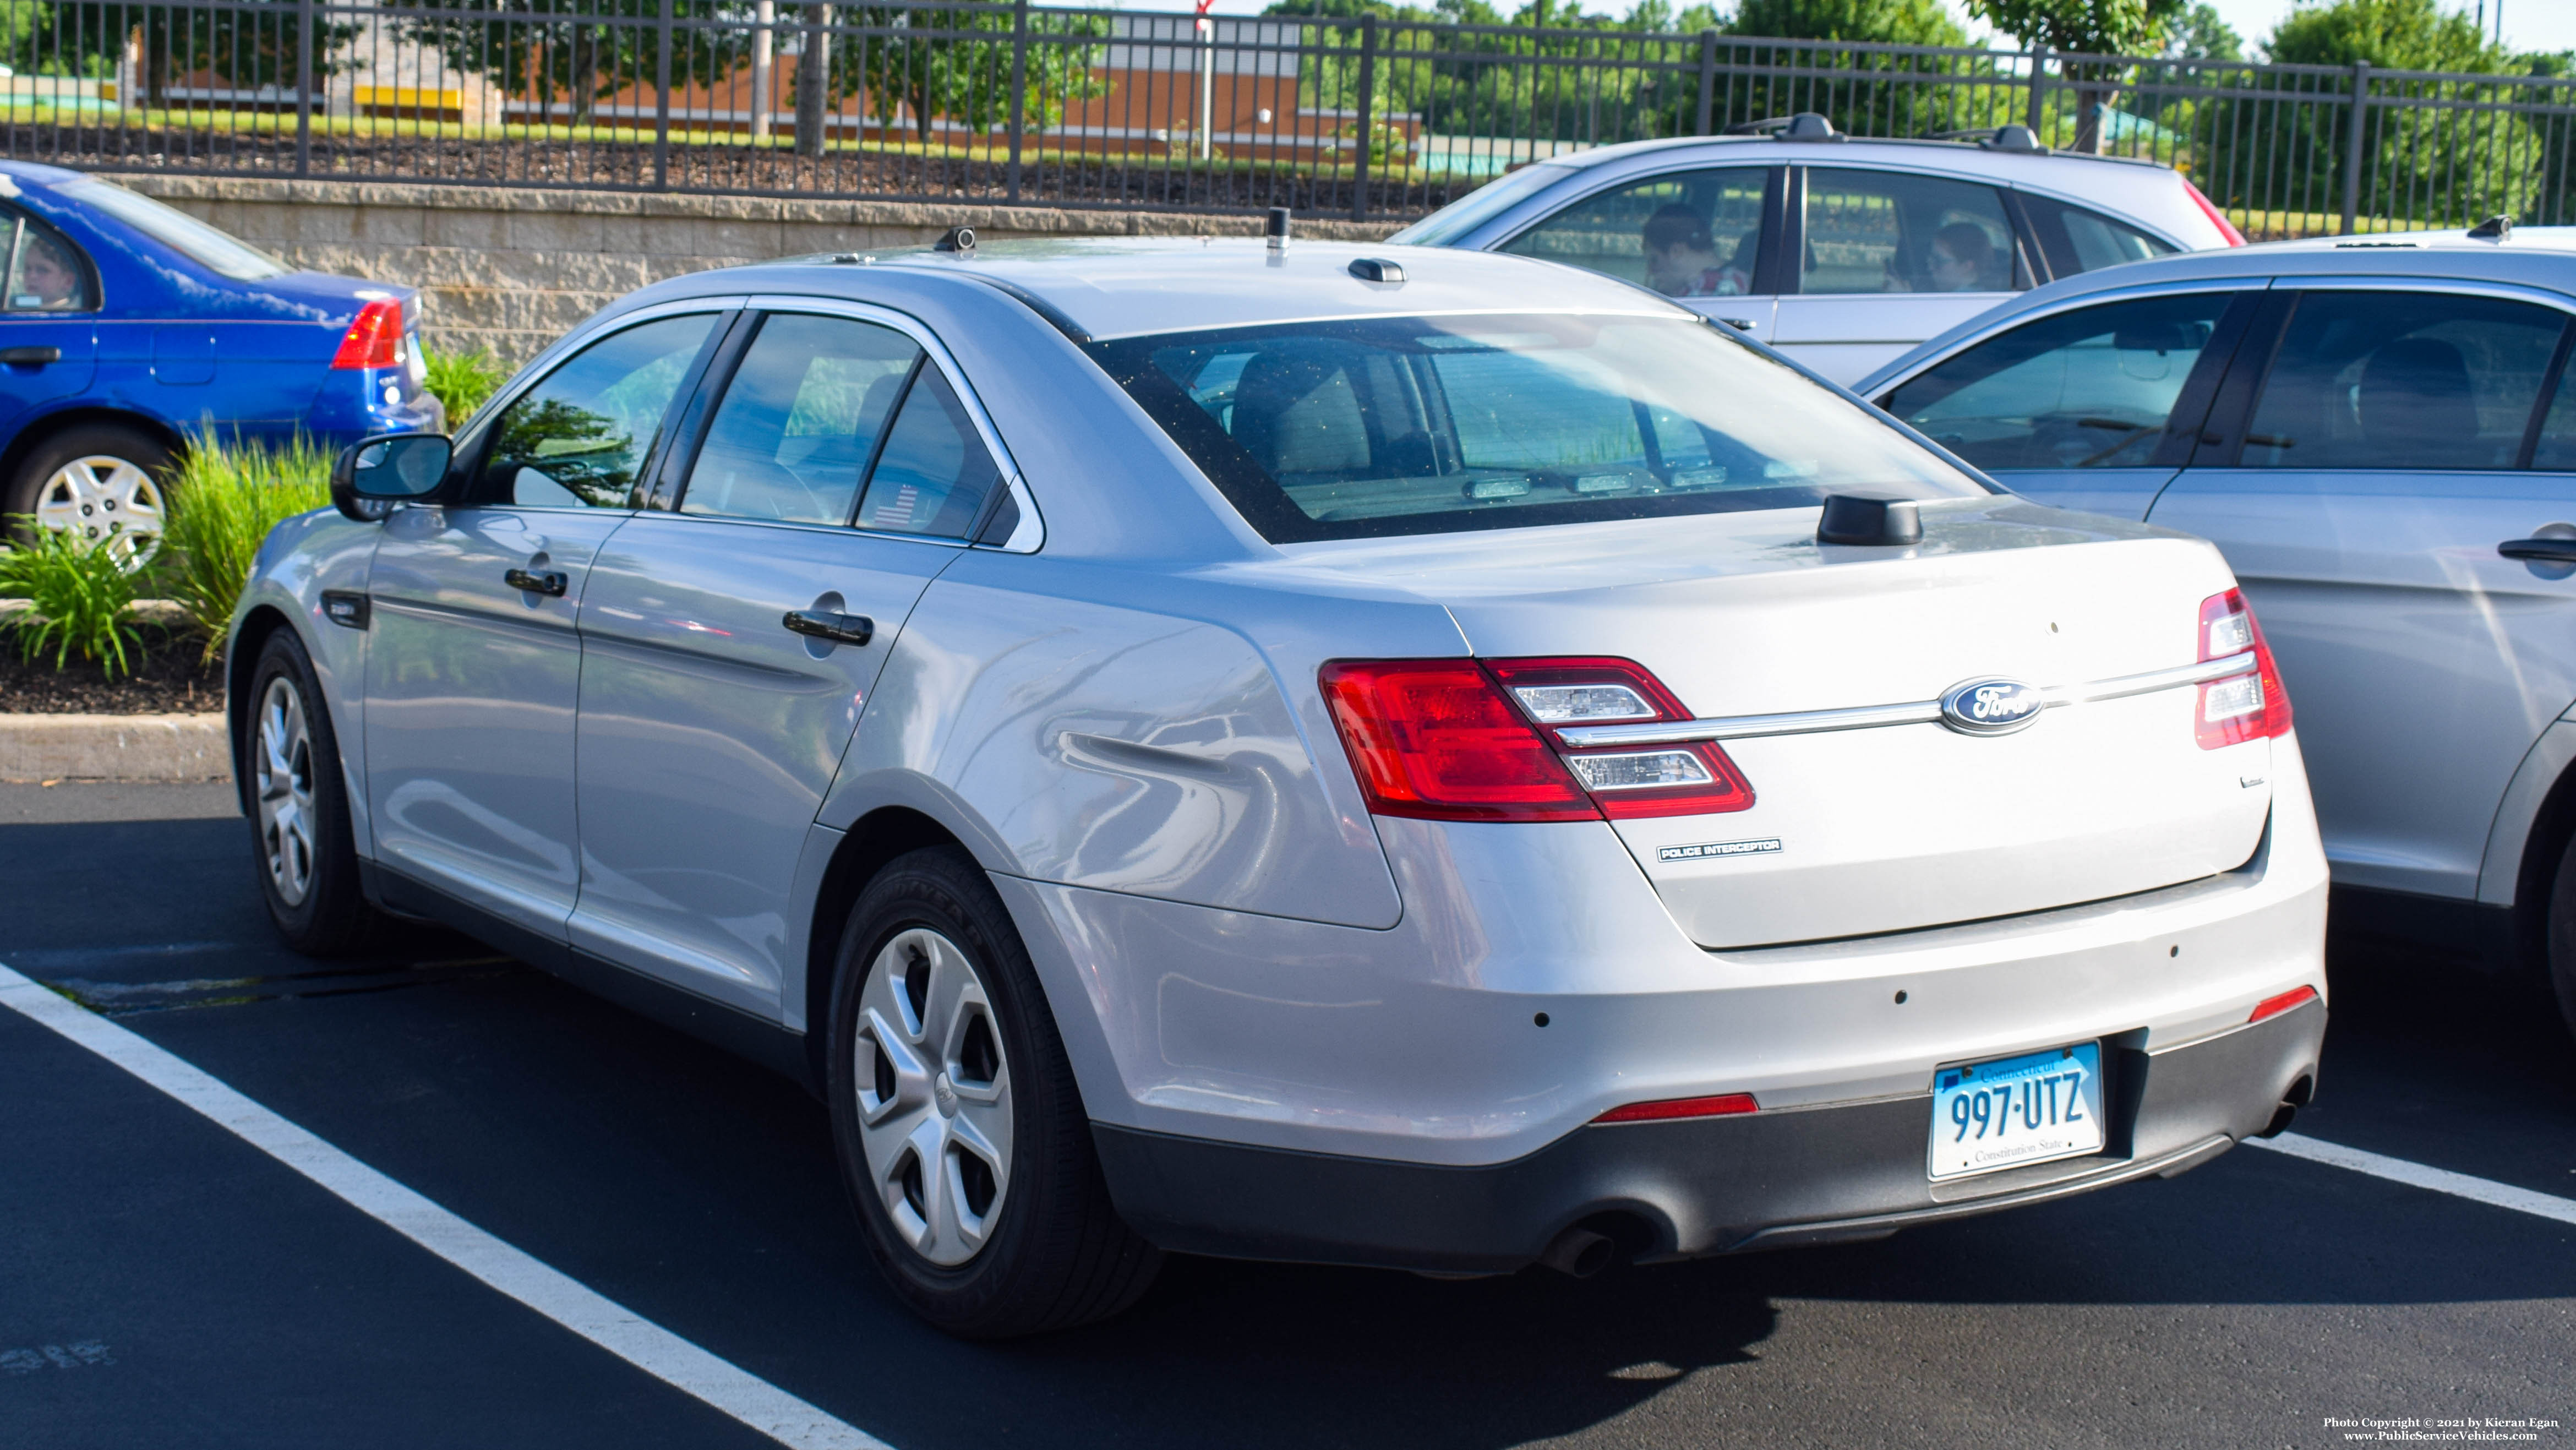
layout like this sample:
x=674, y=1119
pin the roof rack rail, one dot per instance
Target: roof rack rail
x=1996, y=138
x=1804, y=126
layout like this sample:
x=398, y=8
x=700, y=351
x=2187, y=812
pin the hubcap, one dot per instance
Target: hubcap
x=283, y=763
x=103, y=497
x=934, y=1096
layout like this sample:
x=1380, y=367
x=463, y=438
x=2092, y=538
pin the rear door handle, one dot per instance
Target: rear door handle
x=30, y=356
x=826, y=624
x=2546, y=551
x=549, y=582
x=1740, y=324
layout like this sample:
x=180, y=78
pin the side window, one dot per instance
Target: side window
x=2557, y=442
x=2075, y=240
x=2419, y=380
x=1686, y=234
x=1881, y=231
x=44, y=271
x=799, y=420
x=577, y=438
x=933, y=475
x=2092, y=388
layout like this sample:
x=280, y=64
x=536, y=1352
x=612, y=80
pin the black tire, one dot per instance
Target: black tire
x=1055, y=1253
x=310, y=883
x=85, y=440
x=2562, y=935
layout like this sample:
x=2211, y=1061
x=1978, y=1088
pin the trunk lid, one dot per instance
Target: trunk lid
x=1862, y=831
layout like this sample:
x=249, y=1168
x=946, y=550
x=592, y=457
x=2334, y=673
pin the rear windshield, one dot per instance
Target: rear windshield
x=215, y=250
x=1357, y=429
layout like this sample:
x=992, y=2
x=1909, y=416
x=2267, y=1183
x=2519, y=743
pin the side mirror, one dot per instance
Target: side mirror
x=375, y=473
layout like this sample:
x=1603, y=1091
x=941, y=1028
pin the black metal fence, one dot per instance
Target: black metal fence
x=1003, y=103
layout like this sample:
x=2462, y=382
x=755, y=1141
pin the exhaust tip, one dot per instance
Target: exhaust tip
x=1579, y=1253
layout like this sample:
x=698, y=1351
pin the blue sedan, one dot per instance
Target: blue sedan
x=128, y=327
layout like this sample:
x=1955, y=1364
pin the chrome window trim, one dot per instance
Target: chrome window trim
x=2559, y=302
x=1911, y=712
x=2135, y=291
x=1030, y=535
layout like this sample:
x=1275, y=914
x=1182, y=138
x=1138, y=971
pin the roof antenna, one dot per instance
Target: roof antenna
x=955, y=239
x=1276, y=228
x=2493, y=229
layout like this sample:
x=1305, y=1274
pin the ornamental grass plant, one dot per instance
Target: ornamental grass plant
x=78, y=595
x=461, y=380
x=224, y=499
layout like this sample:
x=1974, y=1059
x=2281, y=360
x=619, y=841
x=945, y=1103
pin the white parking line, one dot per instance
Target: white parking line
x=2416, y=1175
x=604, y=1322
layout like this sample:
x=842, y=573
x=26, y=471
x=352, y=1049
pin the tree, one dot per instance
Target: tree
x=2389, y=34
x=2202, y=35
x=581, y=50
x=1891, y=22
x=2086, y=28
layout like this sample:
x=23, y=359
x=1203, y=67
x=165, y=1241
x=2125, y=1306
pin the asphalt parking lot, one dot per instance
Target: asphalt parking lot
x=165, y=1283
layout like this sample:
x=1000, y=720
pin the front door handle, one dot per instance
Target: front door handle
x=2546, y=551
x=827, y=624
x=549, y=582
x=30, y=356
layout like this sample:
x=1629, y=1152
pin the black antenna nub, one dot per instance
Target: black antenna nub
x=1855, y=519
x=2493, y=229
x=1377, y=269
x=1276, y=228
x=955, y=239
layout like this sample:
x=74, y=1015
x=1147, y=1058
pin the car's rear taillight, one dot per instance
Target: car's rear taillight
x=374, y=339
x=1690, y=779
x=2216, y=217
x=1664, y=1110
x=2250, y=706
x=2275, y=1006
x=1463, y=740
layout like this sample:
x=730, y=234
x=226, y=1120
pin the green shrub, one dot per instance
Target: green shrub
x=462, y=380
x=77, y=596
x=222, y=503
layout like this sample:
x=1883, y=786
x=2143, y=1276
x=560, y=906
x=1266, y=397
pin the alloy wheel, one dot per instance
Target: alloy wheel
x=104, y=497
x=934, y=1096
x=283, y=765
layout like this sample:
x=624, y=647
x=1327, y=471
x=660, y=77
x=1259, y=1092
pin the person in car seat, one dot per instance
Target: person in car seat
x=1682, y=261
x=46, y=281
x=1964, y=259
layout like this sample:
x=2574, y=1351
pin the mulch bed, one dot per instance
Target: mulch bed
x=1052, y=179
x=170, y=678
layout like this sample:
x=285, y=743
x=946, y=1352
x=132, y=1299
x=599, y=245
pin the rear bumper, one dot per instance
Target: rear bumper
x=1695, y=1187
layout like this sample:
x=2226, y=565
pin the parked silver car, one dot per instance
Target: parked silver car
x=1840, y=252
x=1382, y=756
x=2379, y=434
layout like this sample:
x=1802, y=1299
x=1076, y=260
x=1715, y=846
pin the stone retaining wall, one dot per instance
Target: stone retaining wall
x=511, y=270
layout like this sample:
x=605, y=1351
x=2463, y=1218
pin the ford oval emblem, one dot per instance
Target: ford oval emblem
x=1991, y=707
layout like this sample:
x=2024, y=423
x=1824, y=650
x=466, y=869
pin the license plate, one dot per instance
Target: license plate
x=2016, y=1110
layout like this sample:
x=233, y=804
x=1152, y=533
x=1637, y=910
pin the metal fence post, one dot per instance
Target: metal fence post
x=662, y=105
x=1019, y=91
x=1368, y=98
x=303, y=87
x=2038, y=90
x=1707, y=79
x=2352, y=153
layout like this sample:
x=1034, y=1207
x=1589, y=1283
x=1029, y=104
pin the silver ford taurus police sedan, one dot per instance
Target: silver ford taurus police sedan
x=1382, y=756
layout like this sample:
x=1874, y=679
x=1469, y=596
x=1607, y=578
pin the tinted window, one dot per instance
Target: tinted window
x=578, y=437
x=799, y=420
x=1426, y=425
x=2075, y=240
x=44, y=271
x=2092, y=388
x=1685, y=234
x=1878, y=231
x=215, y=250
x=2558, y=430
x=935, y=473
x=2423, y=380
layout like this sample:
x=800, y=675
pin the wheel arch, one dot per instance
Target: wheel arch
x=2534, y=822
x=240, y=659
x=870, y=843
x=34, y=434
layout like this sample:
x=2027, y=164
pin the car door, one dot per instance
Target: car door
x=1698, y=236
x=48, y=317
x=2093, y=407
x=1885, y=259
x=730, y=643
x=474, y=665
x=2367, y=456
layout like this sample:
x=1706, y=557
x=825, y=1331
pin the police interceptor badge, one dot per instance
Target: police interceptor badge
x=1714, y=849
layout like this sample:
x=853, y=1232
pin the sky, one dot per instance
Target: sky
x=2528, y=24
